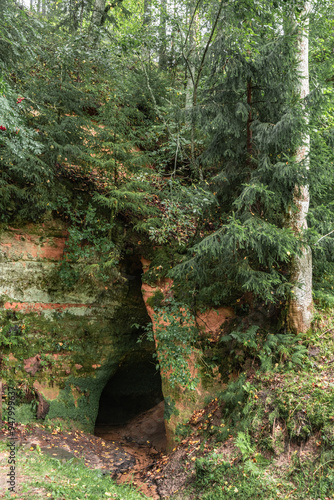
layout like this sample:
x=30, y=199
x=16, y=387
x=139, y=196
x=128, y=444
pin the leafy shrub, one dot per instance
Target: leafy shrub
x=265, y=347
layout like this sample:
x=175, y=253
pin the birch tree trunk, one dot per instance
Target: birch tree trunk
x=301, y=305
x=163, y=35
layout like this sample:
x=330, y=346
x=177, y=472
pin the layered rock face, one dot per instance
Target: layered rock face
x=65, y=347
x=28, y=258
x=61, y=345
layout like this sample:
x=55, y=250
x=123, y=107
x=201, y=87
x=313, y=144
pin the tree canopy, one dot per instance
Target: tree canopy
x=174, y=128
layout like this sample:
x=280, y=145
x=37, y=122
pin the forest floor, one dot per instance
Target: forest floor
x=269, y=435
x=123, y=453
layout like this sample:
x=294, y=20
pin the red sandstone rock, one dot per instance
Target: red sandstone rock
x=38, y=307
x=32, y=365
x=29, y=247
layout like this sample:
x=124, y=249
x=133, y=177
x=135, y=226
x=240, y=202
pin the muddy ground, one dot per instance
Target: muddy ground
x=127, y=452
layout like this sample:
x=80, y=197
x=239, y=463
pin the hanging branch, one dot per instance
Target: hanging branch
x=201, y=66
x=325, y=235
x=161, y=116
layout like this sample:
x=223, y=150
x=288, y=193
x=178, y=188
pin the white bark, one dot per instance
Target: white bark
x=163, y=34
x=300, y=307
x=190, y=66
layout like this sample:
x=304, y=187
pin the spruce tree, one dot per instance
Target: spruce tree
x=253, y=119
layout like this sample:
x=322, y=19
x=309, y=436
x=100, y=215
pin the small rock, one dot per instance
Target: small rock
x=32, y=365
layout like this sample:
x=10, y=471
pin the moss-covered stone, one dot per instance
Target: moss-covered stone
x=79, y=336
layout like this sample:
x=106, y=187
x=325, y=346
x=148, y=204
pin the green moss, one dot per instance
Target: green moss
x=25, y=413
x=84, y=407
x=156, y=299
x=170, y=408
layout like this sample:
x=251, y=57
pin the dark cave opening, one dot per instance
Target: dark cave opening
x=132, y=390
x=131, y=407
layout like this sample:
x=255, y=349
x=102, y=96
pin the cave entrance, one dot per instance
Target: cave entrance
x=133, y=389
x=131, y=405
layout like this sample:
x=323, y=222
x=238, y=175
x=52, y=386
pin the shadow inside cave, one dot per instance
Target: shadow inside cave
x=131, y=405
x=133, y=389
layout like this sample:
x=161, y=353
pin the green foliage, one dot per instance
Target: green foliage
x=306, y=415
x=15, y=333
x=243, y=442
x=156, y=299
x=170, y=408
x=162, y=260
x=253, y=123
x=89, y=251
x=304, y=474
x=210, y=468
x=307, y=479
x=234, y=397
x=285, y=415
x=176, y=335
x=12, y=335
x=269, y=348
x=25, y=413
x=183, y=208
x=247, y=256
x=236, y=482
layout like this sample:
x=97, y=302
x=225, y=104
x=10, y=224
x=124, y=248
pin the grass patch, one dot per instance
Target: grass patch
x=41, y=476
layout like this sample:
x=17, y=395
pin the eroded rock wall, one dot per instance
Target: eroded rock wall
x=180, y=402
x=59, y=345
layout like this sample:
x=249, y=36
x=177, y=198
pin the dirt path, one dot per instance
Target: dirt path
x=144, y=437
x=126, y=453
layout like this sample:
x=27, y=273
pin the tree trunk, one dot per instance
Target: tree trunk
x=162, y=35
x=300, y=306
x=147, y=12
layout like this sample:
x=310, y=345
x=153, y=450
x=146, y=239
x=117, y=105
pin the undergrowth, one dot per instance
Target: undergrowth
x=269, y=434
